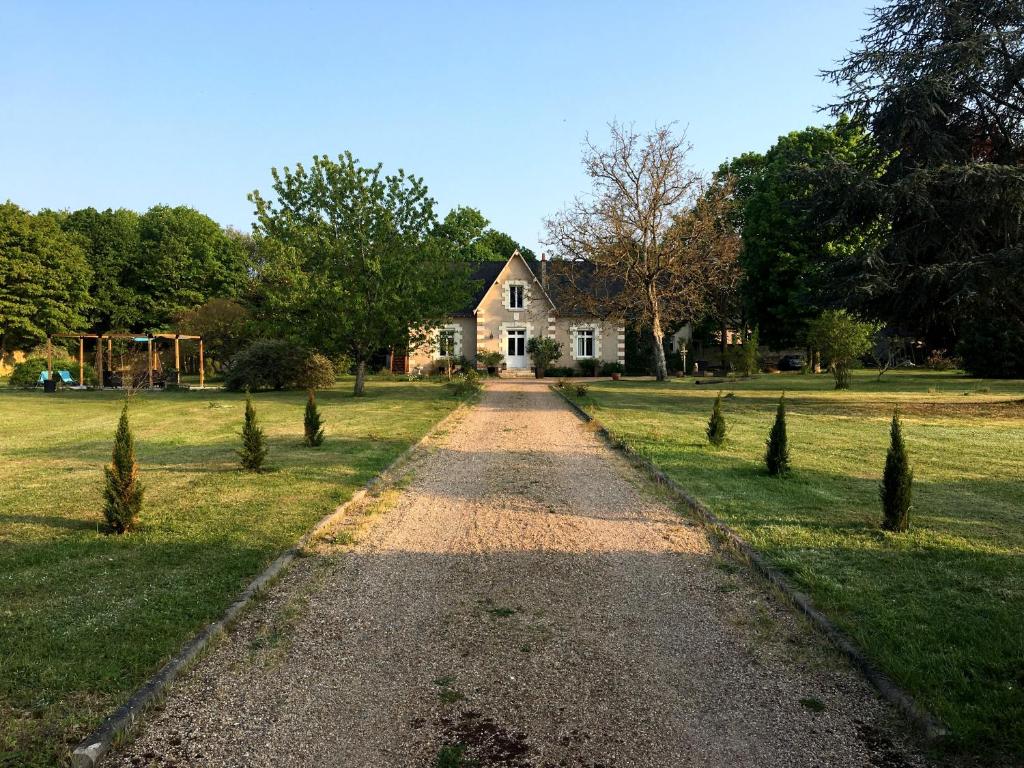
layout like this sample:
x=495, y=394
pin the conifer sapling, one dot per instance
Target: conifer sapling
x=314, y=424
x=897, y=480
x=122, y=492
x=254, y=444
x=776, y=455
x=716, y=424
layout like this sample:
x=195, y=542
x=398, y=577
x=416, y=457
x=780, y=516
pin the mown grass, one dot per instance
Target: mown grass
x=86, y=616
x=941, y=608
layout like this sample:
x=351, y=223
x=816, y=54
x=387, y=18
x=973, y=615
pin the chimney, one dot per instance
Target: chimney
x=544, y=271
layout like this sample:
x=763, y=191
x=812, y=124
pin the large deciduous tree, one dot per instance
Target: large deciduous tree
x=44, y=279
x=111, y=242
x=350, y=263
x=470, y=234
x=791, y=205
x=645, y=245
x=185, y=258
x=940, y=83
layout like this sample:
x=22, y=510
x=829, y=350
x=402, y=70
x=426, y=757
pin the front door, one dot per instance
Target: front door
x=515, y=355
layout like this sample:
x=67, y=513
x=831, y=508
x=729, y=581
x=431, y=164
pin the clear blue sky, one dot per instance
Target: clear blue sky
x=133, y=104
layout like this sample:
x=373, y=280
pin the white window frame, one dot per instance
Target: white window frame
x=523, y=291
x=446, y=335
x=584, y=335
x=594, y=330
x=456, y=331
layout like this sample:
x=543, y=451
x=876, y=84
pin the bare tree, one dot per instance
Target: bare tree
x=651, y=242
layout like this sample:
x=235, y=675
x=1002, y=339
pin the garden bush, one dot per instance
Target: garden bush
x=26, y=373
x=588, y=366
x=747, y=360
x=582, y=389
x=562, y=372
x=716, y=424
x=469, y=382
x=122, y=492
x=313, y=423
x=938, y=360
x=254, y=442
x=543, y=351
x=316, y=372
x=993, y=347
x=897, y=481
x=278, y=364
x=776, y=455
x=609, y=368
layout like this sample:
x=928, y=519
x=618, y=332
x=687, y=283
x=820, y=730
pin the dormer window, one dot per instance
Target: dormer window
x=515, y=296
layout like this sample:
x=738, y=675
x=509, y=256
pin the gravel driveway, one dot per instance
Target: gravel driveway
x=525, y=599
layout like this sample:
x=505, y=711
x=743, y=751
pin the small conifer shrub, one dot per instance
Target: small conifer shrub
x=776, y=455
x=716, y=424
x=314, y=424
x=897, y=480
x=123, y=492
x=254, y=444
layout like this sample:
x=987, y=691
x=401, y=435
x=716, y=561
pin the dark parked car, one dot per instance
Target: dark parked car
x=791, y=362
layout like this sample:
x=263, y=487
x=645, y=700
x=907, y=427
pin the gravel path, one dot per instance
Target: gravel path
x=526, y=599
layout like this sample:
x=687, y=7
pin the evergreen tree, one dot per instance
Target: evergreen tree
x=123, y=492
x=314, y=424
x=716, y=424
x=897, y=480
x=776, y=455
x=254, y=443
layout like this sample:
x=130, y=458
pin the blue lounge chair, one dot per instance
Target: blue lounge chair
x=43, y=377
x=65, y=376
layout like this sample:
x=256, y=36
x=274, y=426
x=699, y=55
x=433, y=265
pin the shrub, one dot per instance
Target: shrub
x=582, y=389
x=278, y=364
x=26, y=373
x=897, y=480
x=313, y=424
x=588, y=366
x=991, y=345
x=716, y=424
x=490, y=358
x=265, y=364
x=562, y=384
x=543, y=351
x=122, y=492
x=562, y=372
x=469, y=382
x=842, y=339
x=776, y=455
x=609, y=368
x=747, y=361
x=316, y=372
x=938, y=360
x=342, y=365
x=254, y=444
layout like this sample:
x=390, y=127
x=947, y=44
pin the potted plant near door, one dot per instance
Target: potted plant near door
x=543, y=351
x=490, y=360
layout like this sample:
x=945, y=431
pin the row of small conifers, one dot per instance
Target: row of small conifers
x=122, y=493
x=897, y=477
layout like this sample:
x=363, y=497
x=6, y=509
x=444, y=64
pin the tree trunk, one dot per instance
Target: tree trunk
x=360, y=378
x=660, y=365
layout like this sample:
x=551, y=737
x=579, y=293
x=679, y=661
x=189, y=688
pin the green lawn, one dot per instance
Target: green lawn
x=941, y=608
x=85, y=616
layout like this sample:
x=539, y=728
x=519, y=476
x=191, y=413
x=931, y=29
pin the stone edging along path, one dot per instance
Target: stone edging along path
x=930, y=727
x=120, y=723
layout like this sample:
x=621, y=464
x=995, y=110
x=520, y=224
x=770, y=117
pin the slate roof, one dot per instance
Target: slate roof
x=483, y=274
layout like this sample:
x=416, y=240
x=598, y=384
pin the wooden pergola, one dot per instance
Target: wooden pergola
x=148, y=338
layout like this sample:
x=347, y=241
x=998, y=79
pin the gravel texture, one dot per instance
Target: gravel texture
x=525, y=598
